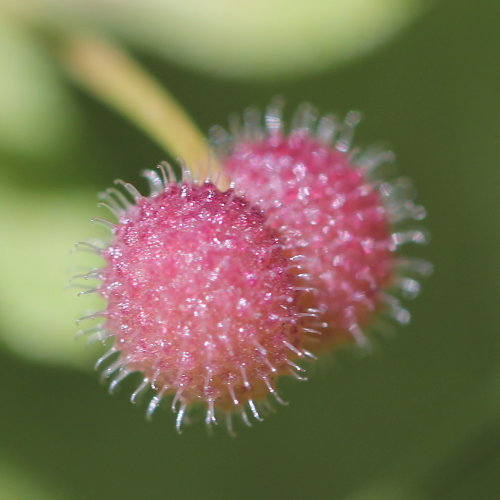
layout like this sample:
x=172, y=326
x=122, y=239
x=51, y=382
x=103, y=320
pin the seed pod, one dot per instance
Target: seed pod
x=200, y=298
x=325, y=200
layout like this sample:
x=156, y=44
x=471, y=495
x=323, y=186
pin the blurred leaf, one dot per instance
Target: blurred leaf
x=17, y=483
x=250, y=40
x=37, y=314
x=36, y=114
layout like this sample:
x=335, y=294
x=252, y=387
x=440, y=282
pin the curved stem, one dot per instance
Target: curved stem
x=107, y=72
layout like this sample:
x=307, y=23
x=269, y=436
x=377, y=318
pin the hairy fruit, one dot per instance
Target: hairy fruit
x=200, y=298
x=322, y=198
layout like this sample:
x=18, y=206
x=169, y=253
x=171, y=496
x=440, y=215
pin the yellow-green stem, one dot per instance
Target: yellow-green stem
x=102, y=68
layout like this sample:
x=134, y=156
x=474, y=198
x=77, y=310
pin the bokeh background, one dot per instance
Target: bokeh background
x=416, y=420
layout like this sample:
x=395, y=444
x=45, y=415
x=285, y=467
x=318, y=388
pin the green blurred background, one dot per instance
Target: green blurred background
x=418, y=419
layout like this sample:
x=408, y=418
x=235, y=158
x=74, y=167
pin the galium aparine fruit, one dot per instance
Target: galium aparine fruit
x=212, y=295
x=201, y=298
x=332, y=212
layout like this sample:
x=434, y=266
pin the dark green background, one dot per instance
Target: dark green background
x=419, y=419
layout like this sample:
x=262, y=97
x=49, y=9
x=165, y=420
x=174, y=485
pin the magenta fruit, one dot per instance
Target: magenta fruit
x=332, y=212
x=201, y=298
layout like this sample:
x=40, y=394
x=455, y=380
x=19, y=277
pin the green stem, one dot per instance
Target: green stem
x=107, y=72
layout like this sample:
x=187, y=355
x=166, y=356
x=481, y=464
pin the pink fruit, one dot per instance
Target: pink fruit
x=328, y=207
x=200, y=298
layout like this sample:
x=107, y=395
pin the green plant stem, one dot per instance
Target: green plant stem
x=107, y=72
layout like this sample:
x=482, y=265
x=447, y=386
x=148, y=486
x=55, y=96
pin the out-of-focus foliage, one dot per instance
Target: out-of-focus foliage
x=244, y=39
x=16, y=483
x=37, y=312
x=36, y=115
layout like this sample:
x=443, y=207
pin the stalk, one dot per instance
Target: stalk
x=107, y=72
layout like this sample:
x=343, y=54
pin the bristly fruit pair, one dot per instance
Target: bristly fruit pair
x=214, y=295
